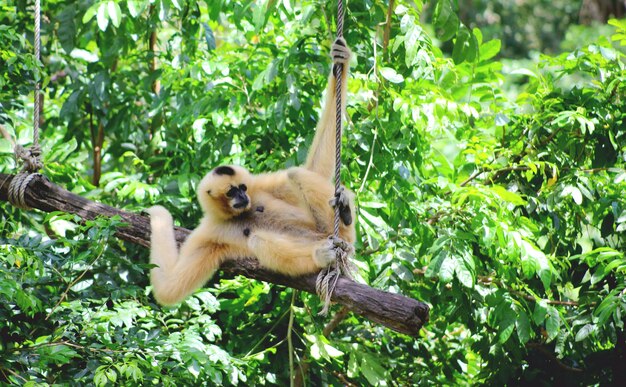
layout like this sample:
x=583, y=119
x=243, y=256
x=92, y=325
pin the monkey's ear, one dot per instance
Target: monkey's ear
x=224, y=170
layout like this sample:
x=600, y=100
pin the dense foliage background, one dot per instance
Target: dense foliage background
x=493, y=189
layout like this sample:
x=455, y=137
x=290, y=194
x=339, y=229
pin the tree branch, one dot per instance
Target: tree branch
x=397, y=312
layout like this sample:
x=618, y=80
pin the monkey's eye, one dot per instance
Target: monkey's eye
x=243, y=187
x=232, y=192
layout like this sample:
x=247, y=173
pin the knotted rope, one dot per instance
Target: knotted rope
x=328, y=277
x=31, y=157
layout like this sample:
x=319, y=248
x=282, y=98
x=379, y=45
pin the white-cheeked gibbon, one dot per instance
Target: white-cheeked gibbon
x=283, y=218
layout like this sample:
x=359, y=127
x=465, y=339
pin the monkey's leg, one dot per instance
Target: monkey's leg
x=290, y=255
x=178, y=275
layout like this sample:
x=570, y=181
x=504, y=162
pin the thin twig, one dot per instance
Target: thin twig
x=289, y=339
x=371, y=159
x=488, y=280
x=13, y=373
x=266, y=334
x=474, y=176
x=328, y=329
x=344, y=379
x=337, y=319
x=67, y=290
x=528, y=297
x=552, y=356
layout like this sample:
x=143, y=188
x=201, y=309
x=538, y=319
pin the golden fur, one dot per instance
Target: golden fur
x=282, y=218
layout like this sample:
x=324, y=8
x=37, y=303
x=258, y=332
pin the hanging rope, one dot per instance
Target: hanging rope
x=30, y=158
x=328, y=277
x=338, y=70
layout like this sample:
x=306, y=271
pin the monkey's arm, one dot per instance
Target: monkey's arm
x=321, y=156
x=178, y=275
x=314, y=193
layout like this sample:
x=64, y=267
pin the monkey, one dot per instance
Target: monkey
x=282, y=218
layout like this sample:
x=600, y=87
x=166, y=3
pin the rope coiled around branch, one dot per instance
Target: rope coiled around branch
x=31, y=157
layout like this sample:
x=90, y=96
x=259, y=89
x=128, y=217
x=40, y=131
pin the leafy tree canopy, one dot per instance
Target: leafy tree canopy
x=493, y=190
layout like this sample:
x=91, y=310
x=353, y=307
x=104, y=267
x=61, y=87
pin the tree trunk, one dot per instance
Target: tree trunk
x=601, y=10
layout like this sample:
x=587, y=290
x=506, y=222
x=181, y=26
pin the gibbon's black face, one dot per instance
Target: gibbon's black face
x=223, y=191
x=238, y=197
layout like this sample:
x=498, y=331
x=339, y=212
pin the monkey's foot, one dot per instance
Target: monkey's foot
x=342, y=202
x=331, y=250
x=325, y=254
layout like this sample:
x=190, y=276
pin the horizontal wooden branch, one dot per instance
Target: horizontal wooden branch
x=397, y=312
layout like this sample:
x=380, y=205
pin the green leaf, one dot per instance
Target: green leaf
x=465, y=270
x=372, y=369
x=461, y=45
x=448, y=267
x=209, y=37
x=434, y=267
x=506, y=326
x=115, y=13
x=465, y=276
x=67, y=28
x=553, y=323
x=136, y=7
x=90, y=13
x=445, y=20
x=529, y=265
x=508, y=196
x=585, y=331
x=540, y=313
x=574, y=192
x=391, y=75
x=465, y=46
x=321, y=348
x=353, y=365
x=103, y=16
x=523, y=71
x=489, y=49
x=522, y=325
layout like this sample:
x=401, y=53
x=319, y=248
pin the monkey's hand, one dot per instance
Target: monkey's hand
x=160, y=219
x=342, y=202
x=340, y=52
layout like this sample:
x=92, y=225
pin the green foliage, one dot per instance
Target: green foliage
x=492, y=190
x=526, y=26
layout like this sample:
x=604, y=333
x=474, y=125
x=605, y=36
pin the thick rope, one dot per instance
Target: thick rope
x=37, y=85
x=31, y=157
x=328, y=277
x=338, y=69
x=17, y=189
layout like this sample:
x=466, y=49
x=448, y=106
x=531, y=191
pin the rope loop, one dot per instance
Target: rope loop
x=30, y=157
x=329, y=276
x=17, y=189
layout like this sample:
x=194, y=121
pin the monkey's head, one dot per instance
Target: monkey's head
x=223, y=191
